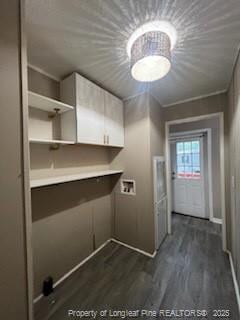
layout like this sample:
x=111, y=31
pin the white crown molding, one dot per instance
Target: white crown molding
x=177, y=102
x=195, y=98
x=135, y=95
x=45, y=73
x=156, y=98
x=234, y=67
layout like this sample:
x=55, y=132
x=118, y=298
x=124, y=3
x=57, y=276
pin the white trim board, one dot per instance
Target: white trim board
x=42, y=182
x=74, y=269
x=135, y=95
x=64, y=277
x=209, y=152
x=162, y=159
x=236, y=286
x=38, y=101
x=194, y=118
x=135, y=249
x=222, y=170
x=222, y=176
x=195, y=98
x=45, y=73
x=216, y=220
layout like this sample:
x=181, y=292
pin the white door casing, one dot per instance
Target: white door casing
x=188, y=191
x=160, y=200
x=168, y=124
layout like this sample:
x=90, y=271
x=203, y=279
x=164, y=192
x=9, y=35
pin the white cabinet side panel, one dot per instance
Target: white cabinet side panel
x=68, y=119
x=90, y=112
x=114, y=123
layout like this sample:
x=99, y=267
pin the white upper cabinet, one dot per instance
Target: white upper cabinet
x=98, y=115
x=114, y=126
x=90, y=112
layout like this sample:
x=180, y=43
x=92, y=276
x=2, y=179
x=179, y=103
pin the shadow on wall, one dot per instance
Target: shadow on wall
x=114, y=153
x=68, y=156
x=52, y=200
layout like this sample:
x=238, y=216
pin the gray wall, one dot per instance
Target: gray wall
x=131, y=217
x=70, y=220
x=203, y=106
x=42, y=84
x=13, y=265
x=213, y=124
x=157, y=128
x=234, y=165
x=134, y=215
x=211, y=104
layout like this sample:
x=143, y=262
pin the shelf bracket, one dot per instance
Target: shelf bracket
x=54, y=146
x=54, y=114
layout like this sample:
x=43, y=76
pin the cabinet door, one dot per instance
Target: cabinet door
x=90, y=112
x=125, y=222
x=102, y=220
x=114, y=127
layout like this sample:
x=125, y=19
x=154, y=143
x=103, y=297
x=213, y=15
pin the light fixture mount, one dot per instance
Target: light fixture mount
x=149, y=49
x=150, y=56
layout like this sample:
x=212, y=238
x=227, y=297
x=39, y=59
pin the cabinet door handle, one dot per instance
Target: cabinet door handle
x=108, y=139
x=104, y=139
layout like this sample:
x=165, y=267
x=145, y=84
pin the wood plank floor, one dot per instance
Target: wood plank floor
x=190, y=271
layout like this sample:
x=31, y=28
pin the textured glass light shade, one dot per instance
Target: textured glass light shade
x=150, y=56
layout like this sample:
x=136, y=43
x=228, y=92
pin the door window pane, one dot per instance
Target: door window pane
x=180, y=160
x=180, y=148
x=188, y=159
x=196, y=159
x=196, y=172
x=187, y=147
x=188, y=171
x=180, y=171
x=195, y=147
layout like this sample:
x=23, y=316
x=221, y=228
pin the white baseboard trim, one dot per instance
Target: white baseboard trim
x=74, y=269
x=135, y=249
x=89, y=257
x=38, y=298
x=236, y=286
x=216, y=220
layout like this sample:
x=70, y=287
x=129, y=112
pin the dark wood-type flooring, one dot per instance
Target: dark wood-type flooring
x=190, y=271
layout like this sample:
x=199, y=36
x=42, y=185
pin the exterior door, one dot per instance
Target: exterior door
x=160, y=200
x=188, y=177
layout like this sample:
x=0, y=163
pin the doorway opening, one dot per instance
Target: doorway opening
x=195, y=169
x=191, y=169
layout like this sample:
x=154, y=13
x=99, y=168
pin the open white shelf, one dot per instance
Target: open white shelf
x=35, y=183
x=38, y=101
x=46, y=141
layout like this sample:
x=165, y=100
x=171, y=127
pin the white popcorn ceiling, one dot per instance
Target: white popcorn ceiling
x=90, y=36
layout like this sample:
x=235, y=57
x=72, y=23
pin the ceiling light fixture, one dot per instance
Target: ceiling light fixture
x=149, y=49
